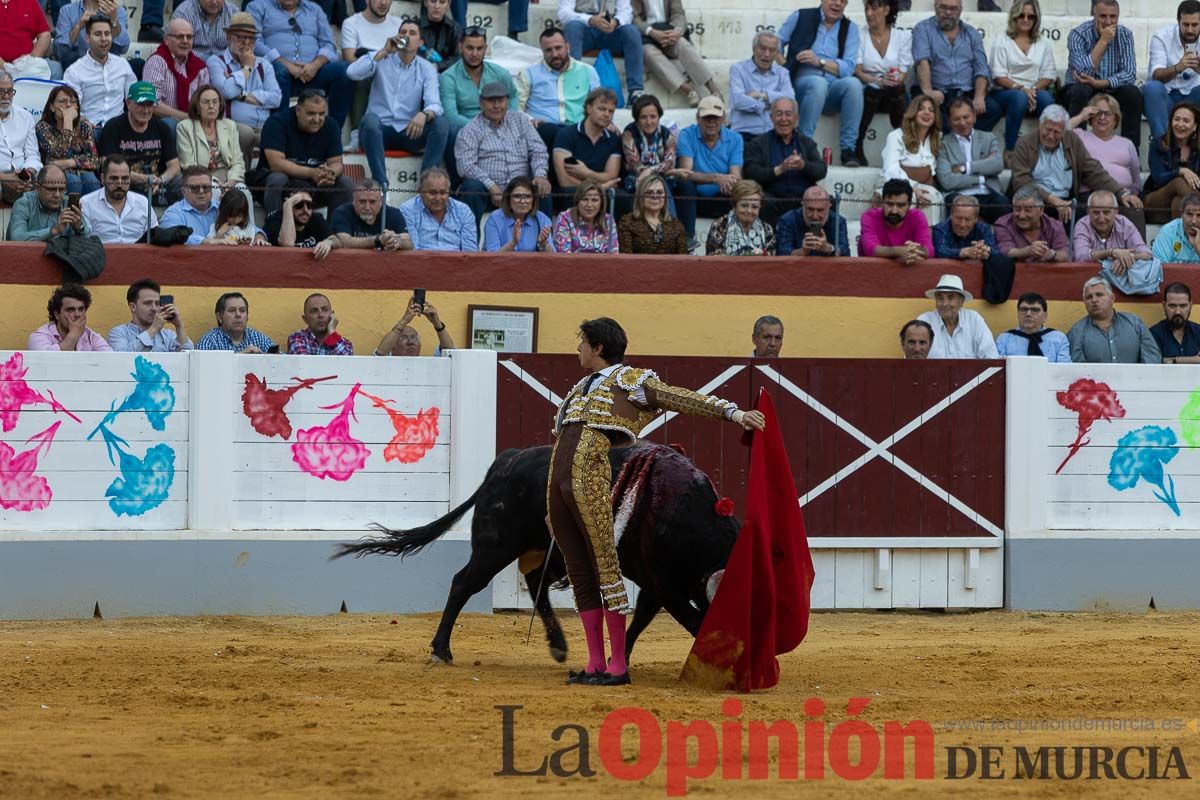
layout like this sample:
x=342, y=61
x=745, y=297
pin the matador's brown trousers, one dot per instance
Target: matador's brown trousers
x=579, y=500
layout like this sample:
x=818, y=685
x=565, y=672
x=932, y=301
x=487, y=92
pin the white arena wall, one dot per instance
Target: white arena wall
x=162, y=484
x=209, y=483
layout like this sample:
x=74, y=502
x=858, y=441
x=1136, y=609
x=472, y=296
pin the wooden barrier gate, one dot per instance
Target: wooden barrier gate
x=899, y=465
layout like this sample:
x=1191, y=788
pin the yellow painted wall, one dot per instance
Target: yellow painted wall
x=698, y=325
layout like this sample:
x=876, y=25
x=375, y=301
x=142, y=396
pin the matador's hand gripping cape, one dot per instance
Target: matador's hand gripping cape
x=622, y=403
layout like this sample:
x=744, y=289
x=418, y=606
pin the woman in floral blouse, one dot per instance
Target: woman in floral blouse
x=586, y=227
x=67, y=140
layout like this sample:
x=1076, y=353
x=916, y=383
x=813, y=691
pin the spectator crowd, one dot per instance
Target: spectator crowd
x=237, y=120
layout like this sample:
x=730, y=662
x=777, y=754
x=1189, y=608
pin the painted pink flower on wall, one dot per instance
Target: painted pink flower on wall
x=265, y=407
x=330, y=451
x=1092, y=401
x=20, y=488
x=15, y=393
x=415, y=435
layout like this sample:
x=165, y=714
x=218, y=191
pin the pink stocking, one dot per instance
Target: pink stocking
x=616, y=640
x=593, y=632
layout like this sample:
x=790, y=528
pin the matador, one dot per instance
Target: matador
x=608, y=408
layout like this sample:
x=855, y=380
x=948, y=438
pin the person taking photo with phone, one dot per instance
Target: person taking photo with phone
x=147, y=332
x=41, y=214
x=814, y=229
x=404, y=340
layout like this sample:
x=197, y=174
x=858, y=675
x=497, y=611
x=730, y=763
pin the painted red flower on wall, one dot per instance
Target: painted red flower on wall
x=415, y=435
x=20, y=488
x=15, y=393
x=330, y=451
x=1092, y=401
x=265, y=407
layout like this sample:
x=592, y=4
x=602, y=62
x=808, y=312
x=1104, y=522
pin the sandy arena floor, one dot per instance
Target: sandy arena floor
x=349, y=705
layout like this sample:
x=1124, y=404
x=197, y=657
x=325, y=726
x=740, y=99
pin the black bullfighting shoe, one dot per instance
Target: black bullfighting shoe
x=606, y=679
x=582, y=677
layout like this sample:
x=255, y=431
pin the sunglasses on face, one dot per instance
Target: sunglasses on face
x=303, y=204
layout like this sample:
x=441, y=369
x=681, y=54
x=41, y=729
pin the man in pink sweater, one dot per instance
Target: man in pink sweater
x=897, y=230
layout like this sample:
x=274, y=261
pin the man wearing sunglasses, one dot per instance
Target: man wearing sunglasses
x=197, y=210
x=297, y=40
x=404, y=109
x=295, y=225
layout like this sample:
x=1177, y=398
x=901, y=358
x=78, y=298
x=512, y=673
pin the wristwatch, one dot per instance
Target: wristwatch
x=821, y=61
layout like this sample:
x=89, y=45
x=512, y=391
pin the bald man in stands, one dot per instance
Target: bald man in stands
x=404, y=340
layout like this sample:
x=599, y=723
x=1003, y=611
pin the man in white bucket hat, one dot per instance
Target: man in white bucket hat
x=957, y=332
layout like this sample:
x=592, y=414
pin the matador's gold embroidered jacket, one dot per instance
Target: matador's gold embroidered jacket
x=629, y=399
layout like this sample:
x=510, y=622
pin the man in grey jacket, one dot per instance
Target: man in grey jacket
x=970, y=162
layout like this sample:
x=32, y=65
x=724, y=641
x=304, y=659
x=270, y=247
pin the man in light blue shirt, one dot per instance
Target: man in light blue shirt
x=822, y=50
x=708, y=164
x=1031, y=337
x=405, y=107
x=951, y=61
x=197, y=210
x=1178, y=242
x=435, y=220
x=147, y=331
x=297, y=40
x=756, y=83
x=552, y=91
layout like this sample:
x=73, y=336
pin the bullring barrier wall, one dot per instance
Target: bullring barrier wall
x=213, y=483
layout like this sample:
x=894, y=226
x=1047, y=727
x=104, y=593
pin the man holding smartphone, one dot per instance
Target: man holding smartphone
x=147, y=331
x=404, y=340
x=814, y=229
x=39, y=215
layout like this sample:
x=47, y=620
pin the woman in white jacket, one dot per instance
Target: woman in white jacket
x=910, y=153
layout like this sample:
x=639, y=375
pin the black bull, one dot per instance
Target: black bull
x=673, y=543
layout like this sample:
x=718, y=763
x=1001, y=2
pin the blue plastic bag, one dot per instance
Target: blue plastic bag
x=609, y=78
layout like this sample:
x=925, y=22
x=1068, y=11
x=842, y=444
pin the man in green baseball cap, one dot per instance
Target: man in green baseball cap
x=143, y=92
x=147, y=143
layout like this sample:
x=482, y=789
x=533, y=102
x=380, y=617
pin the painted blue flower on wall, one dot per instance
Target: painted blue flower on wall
x=145, y=482
x=153, y=394
x=1143, y=454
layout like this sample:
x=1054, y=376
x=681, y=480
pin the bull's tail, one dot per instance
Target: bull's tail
x=403, y=543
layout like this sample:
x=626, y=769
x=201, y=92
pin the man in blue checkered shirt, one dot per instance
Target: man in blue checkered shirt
x=1102, y=59
x=232, y=333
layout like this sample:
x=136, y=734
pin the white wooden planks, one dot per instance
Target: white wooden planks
x=360, y=446
x=93, y=441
